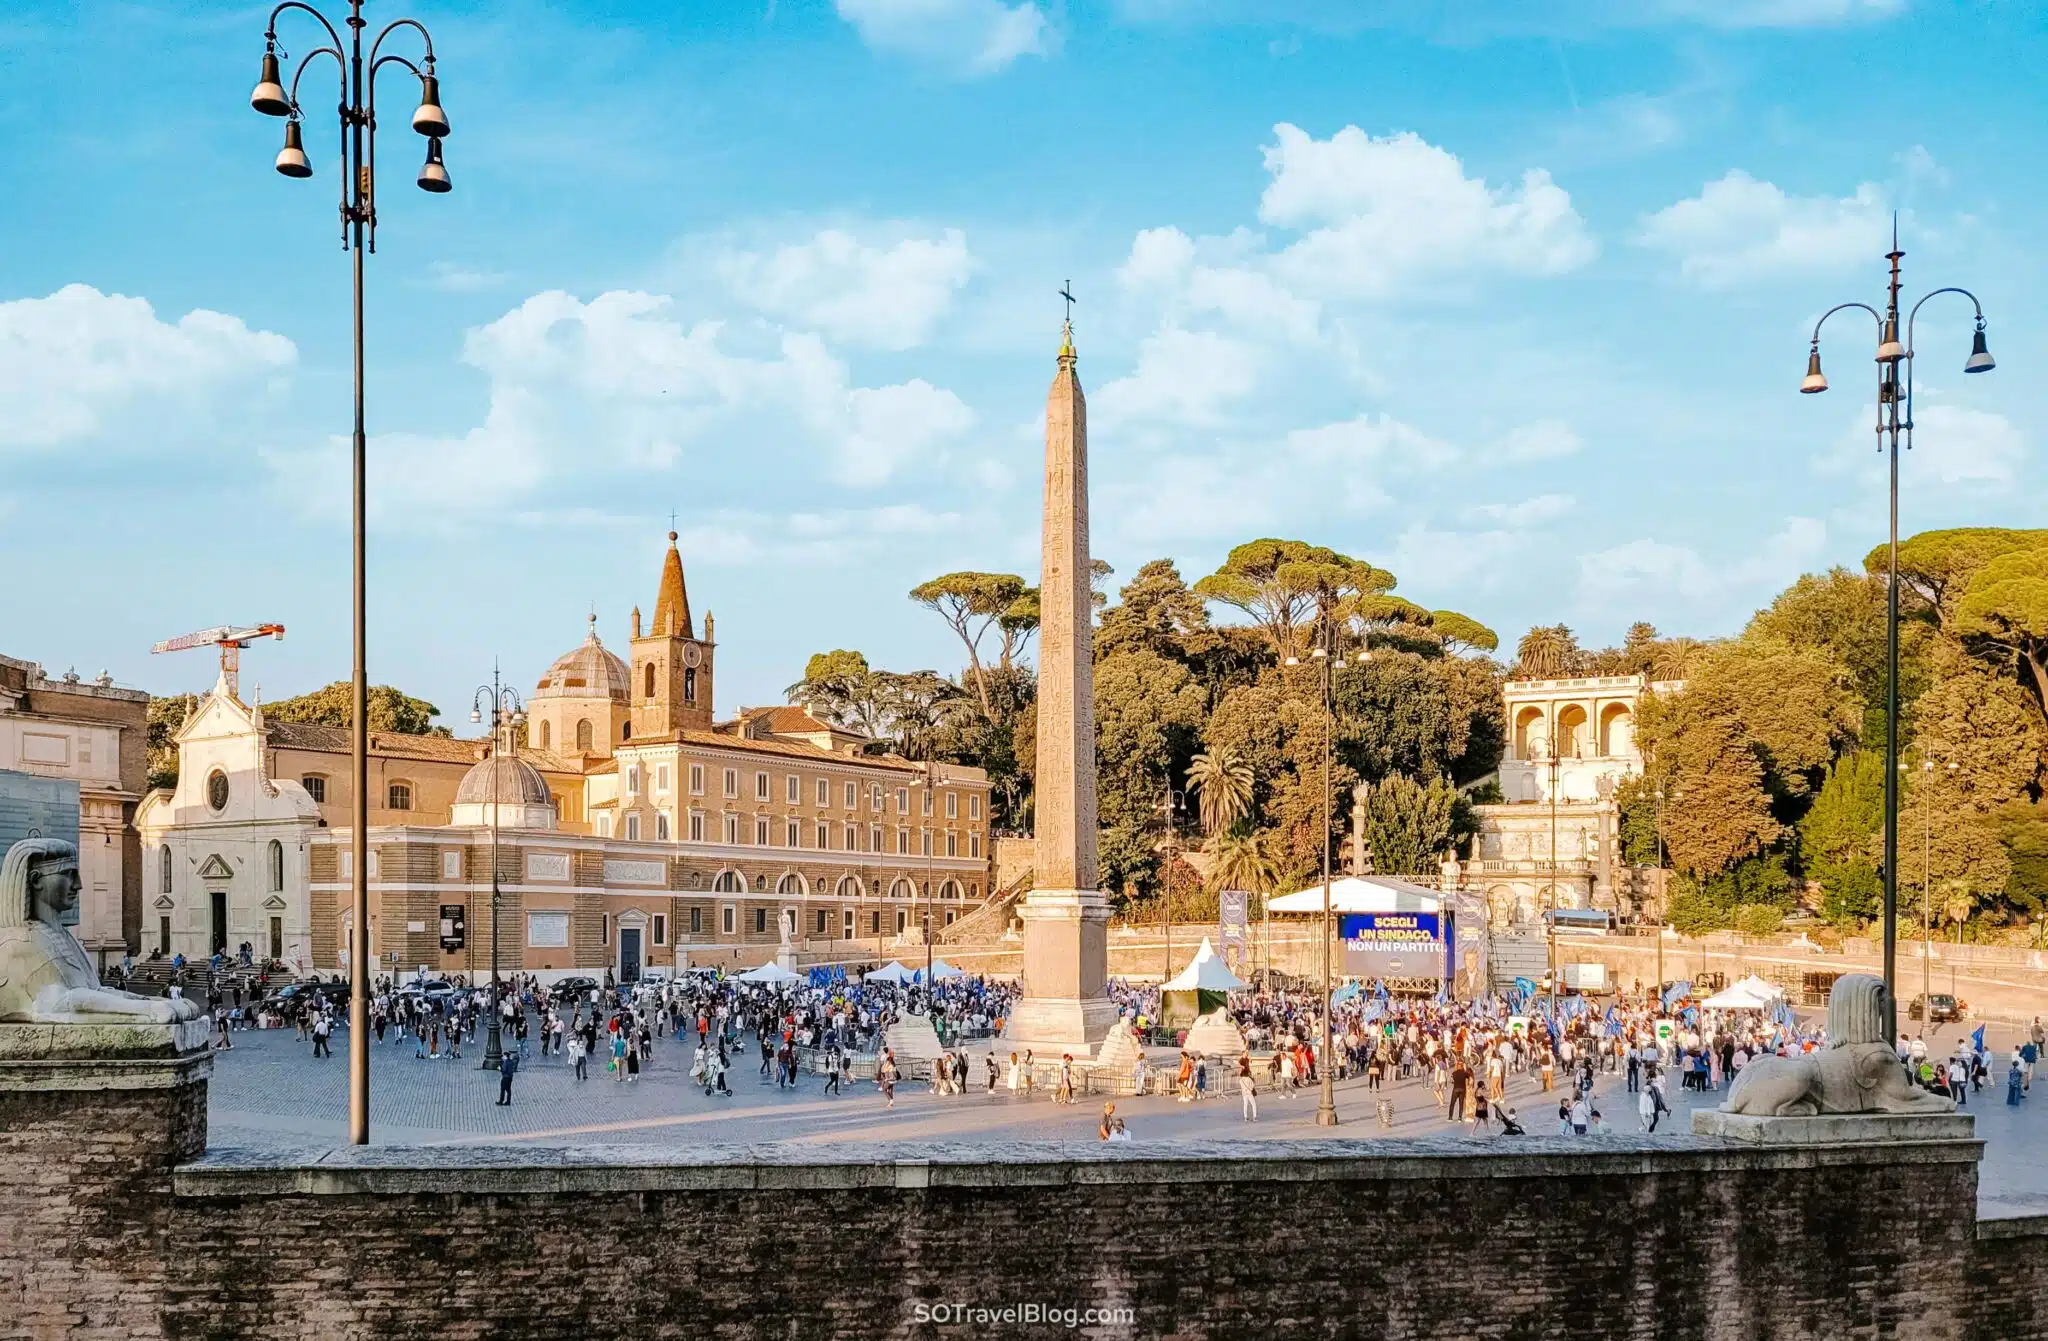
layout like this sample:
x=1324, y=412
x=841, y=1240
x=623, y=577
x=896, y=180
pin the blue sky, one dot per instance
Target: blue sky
x=1511, y=297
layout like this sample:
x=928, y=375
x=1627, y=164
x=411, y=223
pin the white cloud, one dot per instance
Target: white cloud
x=971, y=37
x=84, y=364
x=1183, y=376
x=452, y=278
x=1385, y=215
x=1529, y=512
x=883, y=297
x=738, y=538
x=1957, y=450
x=1429, y=559
x=616, y=388
x=1330, y=475
x=1653, y=572
x=1220, y=277
x=1543, y=440
x=1739, y=228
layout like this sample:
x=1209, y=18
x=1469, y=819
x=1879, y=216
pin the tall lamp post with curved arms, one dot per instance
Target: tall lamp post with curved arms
x=1894, y=415
x=358, y=115
x=507, y=714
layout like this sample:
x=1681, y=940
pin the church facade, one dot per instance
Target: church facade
x=635, y=830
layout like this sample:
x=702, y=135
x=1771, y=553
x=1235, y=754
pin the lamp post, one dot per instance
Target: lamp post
x=1927, y=893
x=1658, y=793
x=507, y=713
x=1894, y=415
x=358, y=161
x=1326, y=1108
x=930, y=783
x=1168, y=807
x=1550, y=916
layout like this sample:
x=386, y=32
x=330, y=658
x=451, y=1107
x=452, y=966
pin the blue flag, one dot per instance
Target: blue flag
x=1977, y=1038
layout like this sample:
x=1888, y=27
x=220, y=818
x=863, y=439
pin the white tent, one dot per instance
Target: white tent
x=1738, y=997
x=1205, y=973
x=1361, y=894
x=941, y=969
x=1757, y=987
x=770, y=972
x=892, y=972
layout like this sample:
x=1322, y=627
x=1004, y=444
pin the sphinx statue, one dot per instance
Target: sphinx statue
x=1857, y=1072
x=45, y=977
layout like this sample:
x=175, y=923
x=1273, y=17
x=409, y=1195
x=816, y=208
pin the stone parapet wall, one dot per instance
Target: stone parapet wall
x=114, y=1222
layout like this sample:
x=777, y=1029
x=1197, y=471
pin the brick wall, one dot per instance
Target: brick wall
x=1683, y=1239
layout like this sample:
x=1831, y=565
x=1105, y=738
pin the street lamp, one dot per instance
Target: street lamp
x=1168, y=807
x=1891, y=395
x=929, y=783
x=508, y=713
x=358, y=114
x=1326, y=1109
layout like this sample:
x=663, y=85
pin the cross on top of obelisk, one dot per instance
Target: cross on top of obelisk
x=1067, y=331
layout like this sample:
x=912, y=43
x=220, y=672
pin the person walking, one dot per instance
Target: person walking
x=579, y=1055
x=322, y=1028
x=1247, y=1090
x=508, y=1066
x=1461, y=1081
x=885, y=1077
x=831, y=1074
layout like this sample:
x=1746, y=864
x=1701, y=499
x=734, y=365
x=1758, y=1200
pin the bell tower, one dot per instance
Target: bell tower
x=672, y=667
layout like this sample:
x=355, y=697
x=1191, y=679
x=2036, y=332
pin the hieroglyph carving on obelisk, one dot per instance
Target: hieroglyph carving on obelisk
x=1066, y=1007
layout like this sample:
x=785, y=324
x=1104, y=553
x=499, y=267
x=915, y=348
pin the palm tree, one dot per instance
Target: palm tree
x=1548, y=652
x=1240, y=861
x=1225, y=783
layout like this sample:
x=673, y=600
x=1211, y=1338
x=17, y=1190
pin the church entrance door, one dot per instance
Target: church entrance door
x=217, y=941
x=629, y=954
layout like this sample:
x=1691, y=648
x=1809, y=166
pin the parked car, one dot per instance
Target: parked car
x=573, y=989
x=334, y=993
x=1938, y=1007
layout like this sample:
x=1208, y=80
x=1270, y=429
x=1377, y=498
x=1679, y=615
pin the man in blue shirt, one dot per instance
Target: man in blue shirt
x=508, y=1066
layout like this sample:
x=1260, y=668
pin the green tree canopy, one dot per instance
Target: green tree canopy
x=1548, y=652
x=1410, y=826
x=973, y=604
x=1462, y=633
x=1288, y=586
x=2005, y=608
x=389, y=710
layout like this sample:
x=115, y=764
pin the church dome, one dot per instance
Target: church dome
x=590, y=671
x=515, y=782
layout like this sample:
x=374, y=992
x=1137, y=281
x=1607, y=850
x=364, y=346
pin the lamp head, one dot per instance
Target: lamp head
x=1293, y=661
x=476, y=715
x=1815, y=381
x=1980, y=359
x=1889, y=350
x=433, y=173
x=269, y=97
x=291, y=160
x=428, y=118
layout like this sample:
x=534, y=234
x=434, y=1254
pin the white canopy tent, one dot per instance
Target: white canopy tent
x=1757, y=987
x=1361, y=894
x=770, y=973
x=892, y=972
x=1738, y=997
x=1206, y=972
x=941, y=969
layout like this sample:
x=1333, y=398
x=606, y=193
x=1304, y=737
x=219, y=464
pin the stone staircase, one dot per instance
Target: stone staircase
x=986, y=924
x=154, y=977
x=1516, y=954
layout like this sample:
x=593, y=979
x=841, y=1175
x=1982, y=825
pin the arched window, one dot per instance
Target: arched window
x=399, y=796
x=276, y=866
x=583, y=735
x=661, y=825
x=650, y=679
x=729, y=882
x=547, y=735
x=848, y=887
x=164, y=868
x=950, y=890
x=790, y=886
x=689, y=684
x=902, y=889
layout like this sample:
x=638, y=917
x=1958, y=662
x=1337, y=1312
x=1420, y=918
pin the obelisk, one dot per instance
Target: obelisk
x=1066, y=1006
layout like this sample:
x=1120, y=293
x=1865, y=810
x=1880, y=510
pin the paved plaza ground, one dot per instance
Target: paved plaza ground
x=270, y=1091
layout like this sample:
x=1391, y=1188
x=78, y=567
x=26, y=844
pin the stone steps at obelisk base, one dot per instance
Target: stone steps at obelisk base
x=915, y=1043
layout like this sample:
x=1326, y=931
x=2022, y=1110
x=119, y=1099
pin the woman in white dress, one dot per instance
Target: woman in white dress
x=1016, y=1073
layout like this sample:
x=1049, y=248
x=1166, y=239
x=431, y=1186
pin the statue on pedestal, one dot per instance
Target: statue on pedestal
x=45, y=976
x=1857, y=1072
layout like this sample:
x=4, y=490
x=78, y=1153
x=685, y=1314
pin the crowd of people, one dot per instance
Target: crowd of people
x=1476, y=1059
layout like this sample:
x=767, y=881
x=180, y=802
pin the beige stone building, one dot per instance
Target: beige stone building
x=96, y=734
x=1572, y=740
x=636, y=830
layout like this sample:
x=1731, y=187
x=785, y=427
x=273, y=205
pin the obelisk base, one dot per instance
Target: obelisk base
x=1066, y=1006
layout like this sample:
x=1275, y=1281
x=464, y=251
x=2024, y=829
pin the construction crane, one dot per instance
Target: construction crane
x=230, y=639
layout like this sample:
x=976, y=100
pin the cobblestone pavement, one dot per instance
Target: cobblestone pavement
x=269, y=1090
